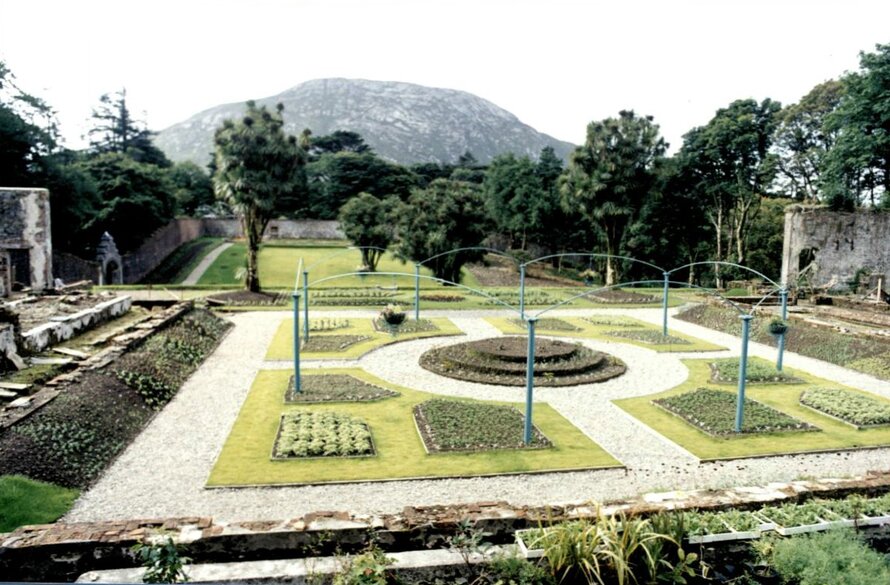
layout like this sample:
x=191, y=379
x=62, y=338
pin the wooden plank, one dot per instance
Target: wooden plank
x=72, y=352
x=14, y=386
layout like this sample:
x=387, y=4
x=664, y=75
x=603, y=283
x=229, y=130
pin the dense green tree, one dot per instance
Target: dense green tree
x=115, y=130
x=802, y=141
x=514, y=197
x=134, y=199
x=732, y=167
x=548, y=169
x=336, y=178
x=192, y=187
x=257, y=166
x=610, y=175
x=337, y=141
x=28, y=133
x=857, y=168
x=444, y=216
x=766, y=237
x=426, y=173
x=74, y=203
x=672, y=228
x=369, y=222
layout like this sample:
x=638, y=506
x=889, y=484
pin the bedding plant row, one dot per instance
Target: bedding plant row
x=71, y=440
x=851, y=407
x=713, y=411
x=322, y=434
x=870, y=355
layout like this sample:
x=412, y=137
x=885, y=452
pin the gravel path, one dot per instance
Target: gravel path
x=196, y=274
x=163, y=471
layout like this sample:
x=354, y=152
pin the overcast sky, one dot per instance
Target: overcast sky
x=555, y=64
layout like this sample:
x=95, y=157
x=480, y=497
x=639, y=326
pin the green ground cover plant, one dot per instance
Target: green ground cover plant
x=714, y=411
x=868, y=355
x=180, y=263
x=603, y=327
x=834, y=434
x=71, y=440
x=282, y=346
x=649, y=336
x=852, y=407
x=547, y=324
x=792, y=514
x=452, y=425
x=244, y=459
x=335, y=388
x=322, y=434
x=25, y=501
x=726, y=371
x=838, y=557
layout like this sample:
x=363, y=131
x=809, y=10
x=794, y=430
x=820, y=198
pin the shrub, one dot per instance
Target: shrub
x=837, y=557
x=162, y=562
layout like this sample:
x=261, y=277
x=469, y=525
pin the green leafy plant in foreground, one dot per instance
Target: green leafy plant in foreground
x=835, y=557
x=369, y=568
x=162, y=561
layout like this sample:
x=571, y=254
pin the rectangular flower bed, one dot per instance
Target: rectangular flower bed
x=335, y=388
x=547, y=324
x=860, y=511
x=726, y=371
x=713, y=411
x=793, y=518
x=526, y=542
x=452, y=425
x=850, y=407
x=322, y=434
x=706, y=527
x=328, y=343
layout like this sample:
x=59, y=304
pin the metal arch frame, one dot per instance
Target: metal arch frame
x=723, y=263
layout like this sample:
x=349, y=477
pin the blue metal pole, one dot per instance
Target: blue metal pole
x=417, y=292
x=780, y=341
x=743, y=372
x=664, y=306
x=529, y=381
x=306, y=304
x=522, y=291
x=297, y=385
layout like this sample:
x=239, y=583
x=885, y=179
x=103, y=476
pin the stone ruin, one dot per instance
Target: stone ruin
x=25, y=240
x=831, y=250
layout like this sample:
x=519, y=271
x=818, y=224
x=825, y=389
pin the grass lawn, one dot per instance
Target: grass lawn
x=588, y=330
x=282, y=346
x=278, y=268
x=25, y=501
x=178, y=265
x=245, y=457
x=833, y=434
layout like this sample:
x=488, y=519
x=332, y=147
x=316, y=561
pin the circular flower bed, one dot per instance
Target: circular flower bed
x=502, y=361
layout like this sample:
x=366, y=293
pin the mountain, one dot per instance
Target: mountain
x=403, y=122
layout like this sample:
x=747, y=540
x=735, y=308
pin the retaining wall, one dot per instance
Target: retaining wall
x=64, y=327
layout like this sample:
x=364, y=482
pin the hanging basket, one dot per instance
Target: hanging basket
x=778, y=327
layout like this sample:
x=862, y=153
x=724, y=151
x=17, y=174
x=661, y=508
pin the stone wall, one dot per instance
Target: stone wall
x=836, y=245
x=25, y=235
x=160, y=245
x=179, y=231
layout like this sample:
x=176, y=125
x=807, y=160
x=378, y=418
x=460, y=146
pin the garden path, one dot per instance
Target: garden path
x=162, y=473
x=199, y=270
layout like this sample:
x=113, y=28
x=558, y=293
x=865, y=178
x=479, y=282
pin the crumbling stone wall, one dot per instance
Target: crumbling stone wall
x=25, y=237
x=828, y=248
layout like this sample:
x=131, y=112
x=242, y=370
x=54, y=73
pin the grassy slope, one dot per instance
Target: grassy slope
x=282, y=344
x=25, y=501
x=245, y=458
x=833, y=434
x=180, y=263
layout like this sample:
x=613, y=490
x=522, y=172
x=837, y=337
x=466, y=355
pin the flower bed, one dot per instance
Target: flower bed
x=326, y=343
x=649, y=336
x=321, y=434
x=328, y=324
x=335, y=388
x=705, y=527
x=794, y=518
x=713, y=411
x=726, y=371
x=612, y=321
x=532, y=297
x=412, y=326
x=547, y=324
x=363, y=297
x=621, y=297
x=502, y=361
x=851, y=407
x=451, y=425
x=440, y=298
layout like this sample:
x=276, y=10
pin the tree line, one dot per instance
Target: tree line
x=721, y=196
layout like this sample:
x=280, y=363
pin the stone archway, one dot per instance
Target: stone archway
x=109, y=259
